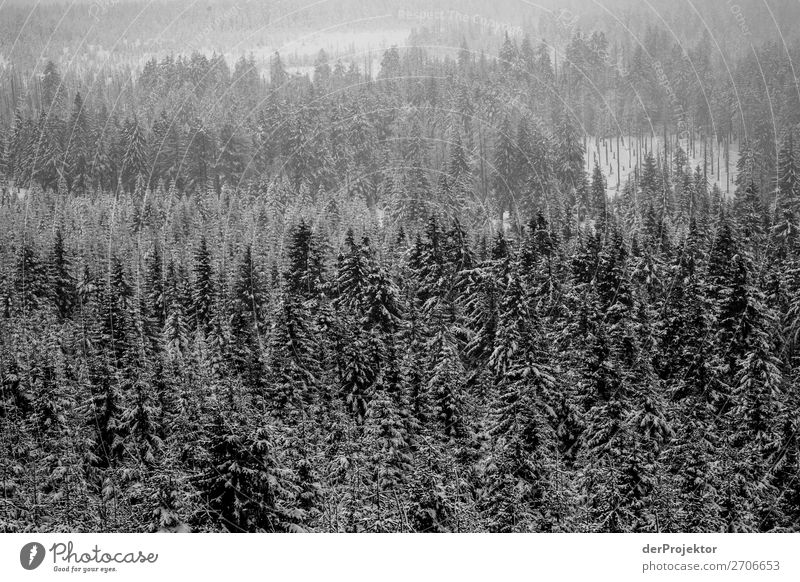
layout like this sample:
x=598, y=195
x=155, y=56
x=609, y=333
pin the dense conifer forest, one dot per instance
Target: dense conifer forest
x=526, y=290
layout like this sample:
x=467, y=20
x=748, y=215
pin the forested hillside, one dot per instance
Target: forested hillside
x=336, y=303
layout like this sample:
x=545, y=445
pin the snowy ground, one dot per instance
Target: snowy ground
x=631, y=153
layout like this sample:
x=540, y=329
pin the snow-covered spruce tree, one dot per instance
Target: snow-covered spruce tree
x=293, y=371
x=352, y=277
x=387, y=435
x=428, y=263
x=651, y=185
x=305, y=273
x=153, y=301
x=750, y=367
x=247, y=306
x=134, y=146
x=788, y=178
x=480, y=299
x=389, y=419
x=30, y=279
x=569, y=152
x=204, y=292
x=61, y=281
x=523, y=460
x=359, y=366
x=626, y=427
x=177, y=323
x=599, y=198
x=138, y=421
x=445, y=380
x=506, y=156
x=244, y=485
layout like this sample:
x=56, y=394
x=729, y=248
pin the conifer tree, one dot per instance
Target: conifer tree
x=599, y=199
x=524, y=451
x=247, y=320
x=204, y=291
x=305, y=275
x=62, y=283
x=243, y=482
x=30, y=279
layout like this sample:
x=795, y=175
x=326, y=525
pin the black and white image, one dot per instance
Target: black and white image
x=372, y=266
